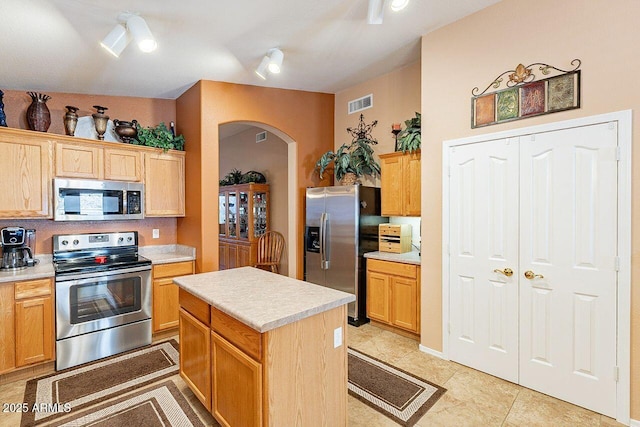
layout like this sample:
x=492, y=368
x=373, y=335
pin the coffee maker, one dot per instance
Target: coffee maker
x=15, y=252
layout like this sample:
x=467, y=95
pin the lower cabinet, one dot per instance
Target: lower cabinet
x=165, y=294
x=195, y=356
x=237, y=385
x=393, y=294
x=27, y=328
x=237, y=254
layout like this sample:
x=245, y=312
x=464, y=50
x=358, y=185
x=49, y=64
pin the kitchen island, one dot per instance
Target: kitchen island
x=261, y=349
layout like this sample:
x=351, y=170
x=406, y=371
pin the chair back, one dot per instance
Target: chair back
x=270, y=247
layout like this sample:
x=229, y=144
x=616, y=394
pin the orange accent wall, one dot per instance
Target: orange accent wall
x=306, y=117
x=475, y=49
x=147, y=111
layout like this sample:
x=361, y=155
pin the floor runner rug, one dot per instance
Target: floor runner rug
x=399, y=395
x=66, y=391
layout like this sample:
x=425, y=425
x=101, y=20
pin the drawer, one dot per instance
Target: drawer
x=242, y=336
x=32, y=288
x=389, y=230
x=392, y=268
x=195, y=306
x=173, y=270
x=393, y=247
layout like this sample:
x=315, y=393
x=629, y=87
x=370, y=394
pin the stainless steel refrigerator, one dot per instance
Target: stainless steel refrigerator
x=341, y=225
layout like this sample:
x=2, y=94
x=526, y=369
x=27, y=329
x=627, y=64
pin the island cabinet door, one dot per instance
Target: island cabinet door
x=237, y=385
x=195, y=356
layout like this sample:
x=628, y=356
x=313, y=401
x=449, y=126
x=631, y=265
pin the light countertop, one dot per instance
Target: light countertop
x=40, y=271
x=165, y=254
x=260, y=299
x=406, y=257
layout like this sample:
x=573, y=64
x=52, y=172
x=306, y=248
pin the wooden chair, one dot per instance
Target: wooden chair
x=270, y=247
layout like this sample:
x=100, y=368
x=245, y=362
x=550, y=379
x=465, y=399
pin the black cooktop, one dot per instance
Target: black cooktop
x=96, y=261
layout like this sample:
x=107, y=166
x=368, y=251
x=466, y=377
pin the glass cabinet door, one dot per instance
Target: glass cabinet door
x=233, y=211
x=259, y=213
x=243, y=214
x=222, y=214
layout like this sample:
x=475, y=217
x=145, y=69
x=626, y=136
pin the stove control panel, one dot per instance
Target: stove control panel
x=70, y=242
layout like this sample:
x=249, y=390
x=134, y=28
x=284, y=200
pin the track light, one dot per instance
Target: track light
x=271, y=62
x=375, y=13
x=131, y=26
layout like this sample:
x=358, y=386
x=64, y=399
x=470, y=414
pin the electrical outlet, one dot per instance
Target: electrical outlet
x=337, y=337
x=156, y=233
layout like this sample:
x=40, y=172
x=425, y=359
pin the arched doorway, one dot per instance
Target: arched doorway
x=275, y=158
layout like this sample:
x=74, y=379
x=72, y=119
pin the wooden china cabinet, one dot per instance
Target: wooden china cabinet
x=243, y=218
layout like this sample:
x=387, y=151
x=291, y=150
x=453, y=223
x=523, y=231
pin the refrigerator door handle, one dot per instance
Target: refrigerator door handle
x=322, y=223
x=326, y=254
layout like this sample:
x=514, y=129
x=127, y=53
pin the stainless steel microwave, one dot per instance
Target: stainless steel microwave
x=93, y=200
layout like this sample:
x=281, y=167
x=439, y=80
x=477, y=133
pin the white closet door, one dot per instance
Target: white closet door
x=568, y=199
x=483, y=237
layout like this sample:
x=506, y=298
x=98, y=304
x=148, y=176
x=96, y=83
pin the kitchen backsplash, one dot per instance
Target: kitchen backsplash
x=415, y=227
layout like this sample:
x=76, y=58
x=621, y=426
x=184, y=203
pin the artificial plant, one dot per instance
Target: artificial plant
x=160, y=137
x=410, y=138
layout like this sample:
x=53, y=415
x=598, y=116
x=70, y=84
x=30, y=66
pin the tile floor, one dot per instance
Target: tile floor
x=472, y=398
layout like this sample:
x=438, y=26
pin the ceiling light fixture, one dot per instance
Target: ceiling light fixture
x=271, y=62
x=131, y=26
x=375, y=13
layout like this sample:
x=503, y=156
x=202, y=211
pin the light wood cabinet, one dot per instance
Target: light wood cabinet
x=165, y=294
x=26, y=323
x=7, y=328
x=195, y=356
x=400, y=184
x=25, y=172
x=244, y=217
x=78, y=160
x=251, y=377
x=164, y=184
x=237, y=385
x=393, y=294
x=122, y=165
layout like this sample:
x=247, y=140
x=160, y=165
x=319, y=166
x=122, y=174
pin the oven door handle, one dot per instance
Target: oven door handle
x=100, y=274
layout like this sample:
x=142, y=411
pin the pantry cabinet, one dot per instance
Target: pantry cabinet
x=400, y=184
x=393, y=294
x=165, y=294
x=243, y=218
x=25, y=172
x=26, y=323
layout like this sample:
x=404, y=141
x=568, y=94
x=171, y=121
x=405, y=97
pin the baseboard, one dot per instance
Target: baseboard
x=434, y=353
x=634, y=423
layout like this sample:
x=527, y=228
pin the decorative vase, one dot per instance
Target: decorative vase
x=127, y=131
x=3, y=116
x=38, y=115
x=101, y=120
x=70, y=120
x=349, y=178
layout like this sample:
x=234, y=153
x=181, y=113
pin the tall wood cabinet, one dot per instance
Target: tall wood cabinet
x=243, y=211
x=164, y=183
x=400, y=184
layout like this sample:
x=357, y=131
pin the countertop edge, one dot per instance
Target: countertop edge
x=405, y=258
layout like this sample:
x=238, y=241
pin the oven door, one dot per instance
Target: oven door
x=90, y=302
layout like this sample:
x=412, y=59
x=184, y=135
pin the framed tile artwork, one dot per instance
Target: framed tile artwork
x=526, y=97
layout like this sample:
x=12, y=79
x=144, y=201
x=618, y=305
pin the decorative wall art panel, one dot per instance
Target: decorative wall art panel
x=485, y=110
x=524, y=96
x=532, y=100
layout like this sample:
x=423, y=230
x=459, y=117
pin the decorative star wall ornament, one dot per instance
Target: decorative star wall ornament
x=363, y=131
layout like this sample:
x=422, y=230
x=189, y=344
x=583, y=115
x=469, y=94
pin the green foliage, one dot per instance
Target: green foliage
x=159, y=137
x=410, y=138
x=233, y=177
x=356, y=157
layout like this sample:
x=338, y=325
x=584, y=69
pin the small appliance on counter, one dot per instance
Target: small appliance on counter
x=395, y=238
x=16, y=252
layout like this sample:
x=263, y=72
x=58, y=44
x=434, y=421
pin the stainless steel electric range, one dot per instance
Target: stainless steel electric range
x=103, y=296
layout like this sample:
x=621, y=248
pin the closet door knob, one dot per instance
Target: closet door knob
x=531, y=275
x=507, y=272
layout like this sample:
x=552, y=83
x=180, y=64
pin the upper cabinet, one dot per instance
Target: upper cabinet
x=25, y=173
x=400, y=184
x=164, y=183
x=30, y=160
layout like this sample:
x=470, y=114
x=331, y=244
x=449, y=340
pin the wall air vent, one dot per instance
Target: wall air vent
x=361, y=104
x=261, y=137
